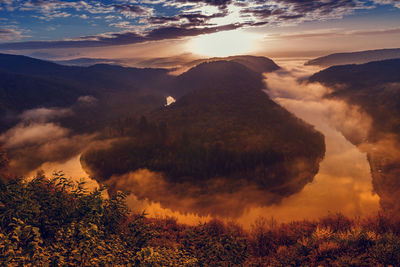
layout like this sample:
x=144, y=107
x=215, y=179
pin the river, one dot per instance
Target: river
x=343, y=183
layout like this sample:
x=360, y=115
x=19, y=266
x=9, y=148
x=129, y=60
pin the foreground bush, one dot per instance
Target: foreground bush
x=54, y=222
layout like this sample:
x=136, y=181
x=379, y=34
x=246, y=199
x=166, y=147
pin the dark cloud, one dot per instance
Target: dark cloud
x=194, y=19
x=219, y=3
x=291, y=17
x=304, y=6
x=121, y=38
x=132, y=10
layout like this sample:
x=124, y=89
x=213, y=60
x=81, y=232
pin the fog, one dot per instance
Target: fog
x=343, y=183
x=36, y=139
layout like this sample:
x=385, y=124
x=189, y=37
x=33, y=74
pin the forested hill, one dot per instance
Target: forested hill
x=225, y=128
x=375, y=88
x=92, y=78
x=254, y=63
x=355, y=57
x=217, y=75
x=28, y=83
x=357, y=76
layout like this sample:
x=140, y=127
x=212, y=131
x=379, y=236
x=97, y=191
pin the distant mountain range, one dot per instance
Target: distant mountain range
x=257, y=64
x=94, y=78
x=86, y=62
x=355, y=57
x=375, y=87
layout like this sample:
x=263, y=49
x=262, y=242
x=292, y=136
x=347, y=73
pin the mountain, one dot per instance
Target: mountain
x=86, y=62
x=223, y=136
x=95, y=78
x=28, y=83
x=219, y=74
x=361, y=77
x=355, y=57
x=19, y=92
x=254, y=63
x=375, y=88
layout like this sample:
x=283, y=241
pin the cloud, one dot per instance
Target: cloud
x=335, y=33
x=149, y=22
x=35, y=133
x=36, y=139
x=10, y=35
x=44, y=114
x=120, y=38
x=395, y=3
x=133, y=11
x=87, y=100
x=29, y=145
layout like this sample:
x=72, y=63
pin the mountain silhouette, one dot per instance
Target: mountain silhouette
x=355, y=57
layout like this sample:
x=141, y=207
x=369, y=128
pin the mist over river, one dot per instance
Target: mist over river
x=343, y=183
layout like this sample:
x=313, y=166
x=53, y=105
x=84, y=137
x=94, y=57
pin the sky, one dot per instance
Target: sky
x=156, y=28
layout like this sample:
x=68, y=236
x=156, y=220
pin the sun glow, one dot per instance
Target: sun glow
x=222, y=44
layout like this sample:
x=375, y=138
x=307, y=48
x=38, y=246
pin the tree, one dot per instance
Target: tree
x=3, y=164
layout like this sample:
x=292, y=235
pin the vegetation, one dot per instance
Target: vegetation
x=54, y=222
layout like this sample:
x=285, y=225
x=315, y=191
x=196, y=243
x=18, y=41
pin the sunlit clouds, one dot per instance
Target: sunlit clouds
x=221, y=44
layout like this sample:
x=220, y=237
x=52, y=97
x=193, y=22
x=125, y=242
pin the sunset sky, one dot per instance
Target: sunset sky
x=155, y=28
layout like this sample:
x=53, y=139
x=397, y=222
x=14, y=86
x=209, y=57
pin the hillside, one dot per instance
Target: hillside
x=96, y=78
x=224, y=130
x=19, y=92
x=355, y=57
x=375, y=87
x=29, y=83
x=219, y=74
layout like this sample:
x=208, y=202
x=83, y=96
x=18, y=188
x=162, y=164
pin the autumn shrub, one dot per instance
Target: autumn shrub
x=387, y=250
x=161, y=256
x=336, y=222
x=215, y=244
x=56, y=222
x=383, y=222
x=168, y=232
